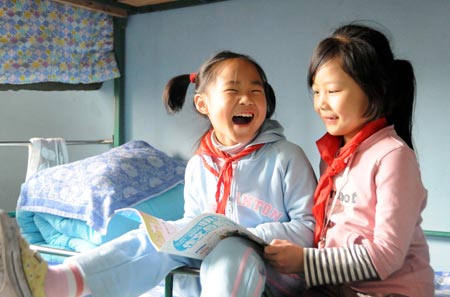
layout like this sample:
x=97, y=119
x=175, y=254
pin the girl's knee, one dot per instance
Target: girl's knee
x=234, y=255
x=236, y=248
x=238, y=263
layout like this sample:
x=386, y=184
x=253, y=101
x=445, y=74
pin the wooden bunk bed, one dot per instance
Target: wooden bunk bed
x=125, y=8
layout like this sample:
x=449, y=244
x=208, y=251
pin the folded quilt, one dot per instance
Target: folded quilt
x=91, y=189
x=54, y=231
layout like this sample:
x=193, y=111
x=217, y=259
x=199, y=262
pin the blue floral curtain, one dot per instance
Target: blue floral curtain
x=44, y=41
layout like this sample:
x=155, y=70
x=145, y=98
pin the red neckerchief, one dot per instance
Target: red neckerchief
x=328, y=147
x=226, y=172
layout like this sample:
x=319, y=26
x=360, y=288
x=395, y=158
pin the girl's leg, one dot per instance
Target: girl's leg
x=13, y=281
x=126, y=266
x=233, y=268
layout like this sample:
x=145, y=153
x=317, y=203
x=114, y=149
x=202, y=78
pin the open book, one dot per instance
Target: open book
x=196, y=239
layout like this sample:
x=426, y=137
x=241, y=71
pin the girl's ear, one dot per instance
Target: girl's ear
x=200, y=104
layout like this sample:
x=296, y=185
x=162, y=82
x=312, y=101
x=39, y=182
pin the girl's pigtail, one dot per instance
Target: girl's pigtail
x=403, y=88
x=270, y=98
x=175, y=91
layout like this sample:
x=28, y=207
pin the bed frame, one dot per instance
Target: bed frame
x=438, y=234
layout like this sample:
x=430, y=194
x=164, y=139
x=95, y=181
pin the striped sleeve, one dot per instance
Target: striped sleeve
x=337, y=265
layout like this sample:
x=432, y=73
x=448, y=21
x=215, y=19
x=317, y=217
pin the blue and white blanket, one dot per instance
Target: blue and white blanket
x=54, y=231
x=92, y=189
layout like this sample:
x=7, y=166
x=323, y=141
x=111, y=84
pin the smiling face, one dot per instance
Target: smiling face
x=234, y=102
x=339, y=100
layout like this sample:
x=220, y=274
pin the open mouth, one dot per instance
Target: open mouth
x=242, y=118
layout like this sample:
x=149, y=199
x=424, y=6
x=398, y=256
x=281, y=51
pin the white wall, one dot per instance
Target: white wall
x=281, y=36
x=73, y=115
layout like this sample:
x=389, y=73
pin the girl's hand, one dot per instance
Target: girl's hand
x=284, y=256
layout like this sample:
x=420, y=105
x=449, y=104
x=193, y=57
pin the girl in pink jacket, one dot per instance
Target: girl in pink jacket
x=370, y=196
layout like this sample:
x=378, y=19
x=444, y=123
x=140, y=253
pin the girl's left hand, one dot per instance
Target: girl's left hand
x=284, y=256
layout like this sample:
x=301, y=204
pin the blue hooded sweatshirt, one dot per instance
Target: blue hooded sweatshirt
x=271, y=191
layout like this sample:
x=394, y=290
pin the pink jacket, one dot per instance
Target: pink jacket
x=380, y=202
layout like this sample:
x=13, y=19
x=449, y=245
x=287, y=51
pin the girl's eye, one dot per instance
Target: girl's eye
x=231, y=91
x=257, y=91
x=333, y=91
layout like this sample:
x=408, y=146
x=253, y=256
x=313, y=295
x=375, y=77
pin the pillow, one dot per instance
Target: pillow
x=93, y=188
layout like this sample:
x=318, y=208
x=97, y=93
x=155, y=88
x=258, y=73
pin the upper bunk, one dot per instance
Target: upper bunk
x=125, y=8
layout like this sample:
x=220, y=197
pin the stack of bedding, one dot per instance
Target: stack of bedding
x=72, y=206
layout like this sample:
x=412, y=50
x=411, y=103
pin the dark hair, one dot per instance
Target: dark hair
x=366, y=56
x=175, y=91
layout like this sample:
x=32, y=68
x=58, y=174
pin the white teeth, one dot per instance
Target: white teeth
x=249, y=115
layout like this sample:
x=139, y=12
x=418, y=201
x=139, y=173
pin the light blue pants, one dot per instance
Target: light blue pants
x=129, y=266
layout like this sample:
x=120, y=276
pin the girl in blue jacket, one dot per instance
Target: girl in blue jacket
x=244, y=168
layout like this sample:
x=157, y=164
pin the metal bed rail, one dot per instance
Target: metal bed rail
x=68, y=142
x=53, y=251
x=441, y=234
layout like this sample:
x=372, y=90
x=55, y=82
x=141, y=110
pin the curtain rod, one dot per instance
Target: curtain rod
x=68, y=142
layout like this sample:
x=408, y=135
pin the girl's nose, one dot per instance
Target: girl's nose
x=246, y=99
x=320, y=100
